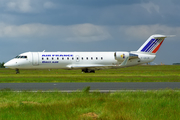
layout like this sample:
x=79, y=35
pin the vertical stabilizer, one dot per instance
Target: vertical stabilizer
x=152, y=44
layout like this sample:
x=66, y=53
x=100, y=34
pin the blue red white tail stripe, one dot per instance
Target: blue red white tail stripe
x=153, y=44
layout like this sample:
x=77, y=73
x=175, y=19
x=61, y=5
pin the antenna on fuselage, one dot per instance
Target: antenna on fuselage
x=43, y=50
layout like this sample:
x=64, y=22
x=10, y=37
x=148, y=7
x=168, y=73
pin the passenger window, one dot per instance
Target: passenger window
x=72, y=58
x=91, y=58
x=82, y=58
x=52, y=58
x=57, y=58
x=62, y=58
x=96, y=58
x=67, y=58
x=101, y=58
x=47, y=58
x=42, y=58
x=87, y=58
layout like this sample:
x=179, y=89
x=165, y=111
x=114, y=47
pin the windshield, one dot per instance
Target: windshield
x=21, y=57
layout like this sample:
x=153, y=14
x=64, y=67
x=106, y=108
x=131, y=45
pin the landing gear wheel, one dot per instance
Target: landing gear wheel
x=92, y=71
x=88, y=71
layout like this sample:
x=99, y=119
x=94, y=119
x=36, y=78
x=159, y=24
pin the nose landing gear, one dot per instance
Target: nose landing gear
x=17, y=71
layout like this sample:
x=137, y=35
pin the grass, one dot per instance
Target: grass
x=126, y=105
x=166, y=73
x=138, y=105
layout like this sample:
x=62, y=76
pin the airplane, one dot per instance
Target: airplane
x=88, y=62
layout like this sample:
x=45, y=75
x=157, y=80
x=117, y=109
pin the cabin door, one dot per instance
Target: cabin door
x=35, y=58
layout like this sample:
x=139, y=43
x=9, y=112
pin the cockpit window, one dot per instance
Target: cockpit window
x=21, y=57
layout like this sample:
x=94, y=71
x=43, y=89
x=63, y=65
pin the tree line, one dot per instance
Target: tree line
x=2, y=65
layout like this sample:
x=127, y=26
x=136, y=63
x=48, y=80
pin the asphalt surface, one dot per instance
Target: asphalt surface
x=103, y=87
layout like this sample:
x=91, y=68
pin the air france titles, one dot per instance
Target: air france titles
x=47, y=58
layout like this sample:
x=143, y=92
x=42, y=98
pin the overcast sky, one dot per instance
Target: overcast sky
x=88, y=25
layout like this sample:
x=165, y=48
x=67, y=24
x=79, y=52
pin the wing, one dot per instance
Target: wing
x=89, y=66
x=96, y=66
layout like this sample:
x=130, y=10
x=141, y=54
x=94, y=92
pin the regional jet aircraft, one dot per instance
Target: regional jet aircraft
x=88, y=61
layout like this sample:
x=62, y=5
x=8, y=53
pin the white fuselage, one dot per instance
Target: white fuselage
x=78, y=60
x=88, y=61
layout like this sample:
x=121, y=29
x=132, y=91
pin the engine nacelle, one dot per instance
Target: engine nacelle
x=120, y=56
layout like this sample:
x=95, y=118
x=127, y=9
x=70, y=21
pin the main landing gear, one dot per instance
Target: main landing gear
x=17, y=71
x=88, y=71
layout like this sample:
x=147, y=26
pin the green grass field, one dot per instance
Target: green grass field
x=126, y=105
x=142, y=73
x=137, y=105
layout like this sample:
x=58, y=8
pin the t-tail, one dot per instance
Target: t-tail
x=152, y=44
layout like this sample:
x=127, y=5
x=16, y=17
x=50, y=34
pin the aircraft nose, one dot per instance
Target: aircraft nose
x=9, y=64
x=5, y=64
